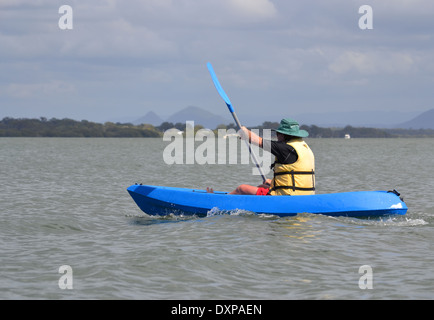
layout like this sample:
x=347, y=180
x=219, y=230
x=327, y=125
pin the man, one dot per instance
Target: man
x=294, y=166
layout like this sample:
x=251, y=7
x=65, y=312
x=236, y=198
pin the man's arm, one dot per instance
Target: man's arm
x=253, y=137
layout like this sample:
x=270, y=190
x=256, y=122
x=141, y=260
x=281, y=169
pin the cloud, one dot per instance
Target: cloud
x=18, y=3
x=133, y=53
x=31, y=90
x=117, y=38
x=372, y=62
x=254, y=9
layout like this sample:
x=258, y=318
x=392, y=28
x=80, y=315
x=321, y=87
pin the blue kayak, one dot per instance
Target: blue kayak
x=157, y=200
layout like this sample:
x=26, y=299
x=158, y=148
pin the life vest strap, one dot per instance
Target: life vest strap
x=293, y=188
x=293, y=172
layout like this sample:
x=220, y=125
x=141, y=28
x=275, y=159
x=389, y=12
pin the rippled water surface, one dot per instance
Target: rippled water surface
x=64, y=202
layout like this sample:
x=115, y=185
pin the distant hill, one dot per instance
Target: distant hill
x=199, y=116
x=150, y=118
x=422, y=121
x=191, y=113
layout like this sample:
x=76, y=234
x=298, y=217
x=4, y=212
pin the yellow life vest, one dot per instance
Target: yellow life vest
x=297, y=178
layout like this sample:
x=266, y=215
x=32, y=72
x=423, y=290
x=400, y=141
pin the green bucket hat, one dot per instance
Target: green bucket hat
x=291, y=127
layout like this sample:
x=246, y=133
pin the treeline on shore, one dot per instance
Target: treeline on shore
x=42, y=127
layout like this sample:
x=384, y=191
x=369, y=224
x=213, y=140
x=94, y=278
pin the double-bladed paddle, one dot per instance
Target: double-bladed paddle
x=234, y=115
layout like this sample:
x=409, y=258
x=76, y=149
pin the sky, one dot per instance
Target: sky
x=274, y=58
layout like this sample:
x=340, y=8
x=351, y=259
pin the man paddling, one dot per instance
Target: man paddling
x=294, y=165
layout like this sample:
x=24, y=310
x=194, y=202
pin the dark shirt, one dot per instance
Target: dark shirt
x=284, y=153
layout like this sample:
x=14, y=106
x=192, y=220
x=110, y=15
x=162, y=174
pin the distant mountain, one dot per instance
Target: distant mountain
x=150, y=118
x=422, y=121
x=191, y=113
x=199, y=116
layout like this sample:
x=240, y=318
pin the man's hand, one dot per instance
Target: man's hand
x=266, y=184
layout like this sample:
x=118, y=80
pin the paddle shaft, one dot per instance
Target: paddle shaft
x=234, y=115
x=255, y=160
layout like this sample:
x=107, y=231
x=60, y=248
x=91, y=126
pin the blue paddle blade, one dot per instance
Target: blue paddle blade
x=219, y=87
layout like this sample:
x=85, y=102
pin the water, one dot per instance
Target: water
x=64, y=202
